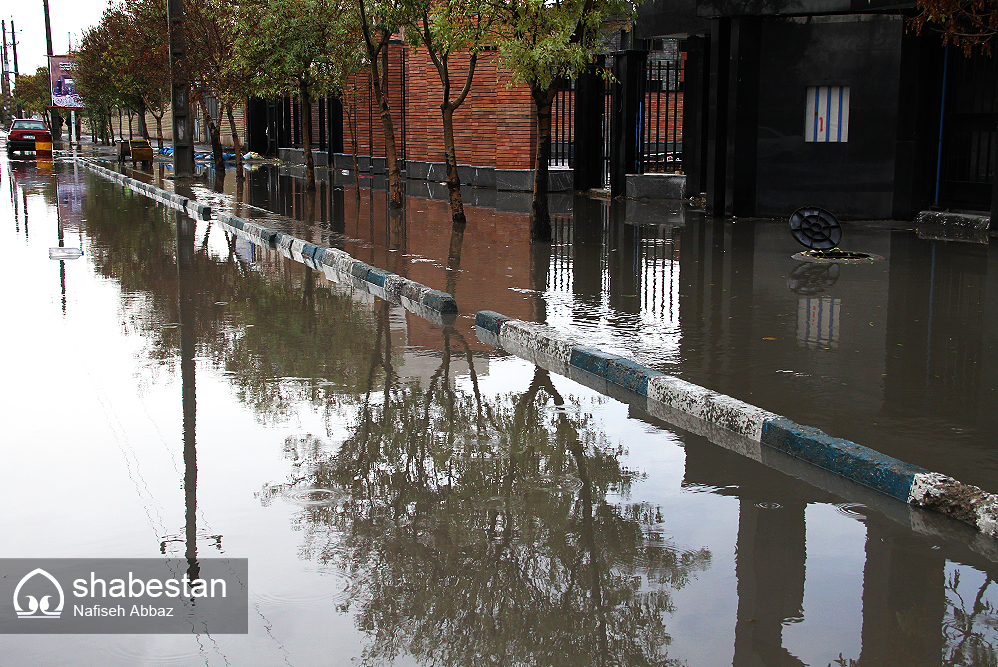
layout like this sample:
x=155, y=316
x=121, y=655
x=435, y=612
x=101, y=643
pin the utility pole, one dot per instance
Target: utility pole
x=48, y=28
x=5, y=82
x=56, y=118
x=13, y=44
x=180, y=106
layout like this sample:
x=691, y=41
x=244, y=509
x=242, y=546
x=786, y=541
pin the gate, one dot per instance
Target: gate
x=966, y=165
x=661, y=135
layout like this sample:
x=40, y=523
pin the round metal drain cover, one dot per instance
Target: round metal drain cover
x=815, y=228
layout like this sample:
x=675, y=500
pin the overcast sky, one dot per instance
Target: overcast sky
x=70, y=18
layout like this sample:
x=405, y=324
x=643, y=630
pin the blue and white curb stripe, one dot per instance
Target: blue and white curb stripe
x=748, y=427
x=430, y=304
x=173, y=200
x=337, y=265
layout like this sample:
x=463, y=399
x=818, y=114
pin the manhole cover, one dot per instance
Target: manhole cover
x=815, y=228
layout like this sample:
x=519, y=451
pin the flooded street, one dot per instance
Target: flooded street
x=406, y=494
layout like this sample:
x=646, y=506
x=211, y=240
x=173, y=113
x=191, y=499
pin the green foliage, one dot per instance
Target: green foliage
x=284, y=44
x=124, y=61
x=31, y=91
x=543, y=40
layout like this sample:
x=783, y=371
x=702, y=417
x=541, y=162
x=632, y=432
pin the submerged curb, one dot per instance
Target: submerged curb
x=667, y=394
x=430, y=304
x=173, y=200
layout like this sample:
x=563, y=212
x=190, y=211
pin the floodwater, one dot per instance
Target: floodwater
x=407, y=495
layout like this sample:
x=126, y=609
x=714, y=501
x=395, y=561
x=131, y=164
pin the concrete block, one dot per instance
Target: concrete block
x=655, y=186
x=490, y=320
x=536, y=339
x=343, y=161
x=377, y=277
x=710, y=406
x=948, y=219
x=860, y=464
x=441, y=302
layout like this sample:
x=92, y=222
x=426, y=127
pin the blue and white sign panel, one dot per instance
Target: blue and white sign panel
x=827, y=117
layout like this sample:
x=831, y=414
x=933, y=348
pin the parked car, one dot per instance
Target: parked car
x=26, y=134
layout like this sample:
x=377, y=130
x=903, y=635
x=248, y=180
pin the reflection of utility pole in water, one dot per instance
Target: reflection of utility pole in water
x=904, y=600
x=62, y=244
x=771, y=548
x=770, y=572
x=186, y=291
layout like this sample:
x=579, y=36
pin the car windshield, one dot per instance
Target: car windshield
x=28, y=125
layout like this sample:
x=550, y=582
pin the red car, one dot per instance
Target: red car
x=28, y=135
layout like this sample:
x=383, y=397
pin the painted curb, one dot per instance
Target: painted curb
x=338, y=266
x=699, y=409
x=430, y=304
x=188, y=206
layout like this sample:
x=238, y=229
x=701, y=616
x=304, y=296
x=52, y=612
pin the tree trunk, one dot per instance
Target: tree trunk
x=131, y=134
x=450, y=157
x=143, y=126
x=306, y=135
x=236, y=143
x=215, y=135
x=159, y=130
x=540, y=220
x=378, y=70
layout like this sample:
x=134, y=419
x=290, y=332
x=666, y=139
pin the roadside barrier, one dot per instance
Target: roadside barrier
x=744, y=427
x=433, y=305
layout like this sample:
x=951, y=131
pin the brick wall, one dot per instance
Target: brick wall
x=493, y=128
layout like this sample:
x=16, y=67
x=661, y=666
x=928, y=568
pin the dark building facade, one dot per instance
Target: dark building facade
x=831, y=103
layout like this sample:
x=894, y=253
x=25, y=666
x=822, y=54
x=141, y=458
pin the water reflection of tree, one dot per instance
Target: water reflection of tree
x=478, y=529
x=968, y=629
x=280, y=339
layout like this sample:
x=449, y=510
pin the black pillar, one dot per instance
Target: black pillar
x=743, y=116
x=589, y=101
x=335, y=120
x=628, y=70
x=696, y=88
x=733, y=115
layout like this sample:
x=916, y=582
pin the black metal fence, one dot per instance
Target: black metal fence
x=563, y=127
x=661, y=136
x=970, y=114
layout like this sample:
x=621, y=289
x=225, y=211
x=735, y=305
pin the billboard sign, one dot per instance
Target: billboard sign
x=62, y=82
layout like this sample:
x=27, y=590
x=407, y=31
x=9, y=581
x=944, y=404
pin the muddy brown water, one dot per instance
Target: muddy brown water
x=406, y=494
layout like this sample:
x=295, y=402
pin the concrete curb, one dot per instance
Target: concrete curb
x=433, y=305
x=677, y=400
x=188, y=206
